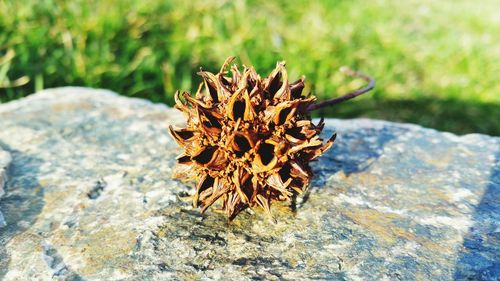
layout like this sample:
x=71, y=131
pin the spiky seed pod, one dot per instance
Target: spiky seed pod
x=248, y=140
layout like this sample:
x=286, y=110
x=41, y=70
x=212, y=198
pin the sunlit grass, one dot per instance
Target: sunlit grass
x=436, y=62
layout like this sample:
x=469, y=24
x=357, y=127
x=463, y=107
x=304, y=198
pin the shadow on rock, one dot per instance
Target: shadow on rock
x=22, y=201
x=353, y=152
x=478, y=258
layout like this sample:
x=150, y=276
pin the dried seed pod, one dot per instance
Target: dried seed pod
x=249, y=140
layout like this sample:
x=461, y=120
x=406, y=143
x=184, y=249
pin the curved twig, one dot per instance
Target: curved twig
x=348, y=96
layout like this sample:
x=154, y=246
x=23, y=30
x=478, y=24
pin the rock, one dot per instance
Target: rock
x=4, y=164
x=91, y=196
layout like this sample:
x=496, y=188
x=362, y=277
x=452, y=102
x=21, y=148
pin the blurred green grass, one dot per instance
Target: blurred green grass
x=436, y=62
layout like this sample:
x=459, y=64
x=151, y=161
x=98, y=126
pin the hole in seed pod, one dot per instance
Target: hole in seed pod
x=205, y=156
x=296, y=133
x=212, y=121
x=207, y=183
x=248, y=187
x=212, y=91
x=266, y=152
x=275, y=85
x=184, y=159
x=239, y=110
x=225, y=82
x=298, y=182
x=283, y=115
x=185, y=135
x=242, y=145
x=250, y=84
x=296, y=88
x=285, y=172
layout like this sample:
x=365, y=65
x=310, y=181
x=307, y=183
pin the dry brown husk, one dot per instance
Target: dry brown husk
x=248, y=140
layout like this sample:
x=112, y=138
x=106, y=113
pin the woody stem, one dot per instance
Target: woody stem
x=348, y=96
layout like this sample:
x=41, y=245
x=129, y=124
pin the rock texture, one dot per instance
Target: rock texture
x=4, y=164
x=90, y=196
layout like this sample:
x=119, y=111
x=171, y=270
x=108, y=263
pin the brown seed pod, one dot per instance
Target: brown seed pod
x=248, y=140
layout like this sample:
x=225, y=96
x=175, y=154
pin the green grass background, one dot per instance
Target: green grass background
x=436, y=63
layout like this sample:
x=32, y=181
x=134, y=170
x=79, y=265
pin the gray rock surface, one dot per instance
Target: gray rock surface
x=90, y=196
x=4, y=164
